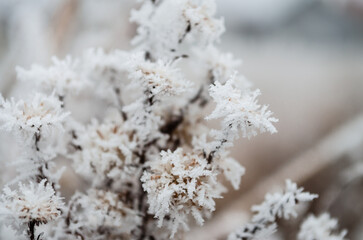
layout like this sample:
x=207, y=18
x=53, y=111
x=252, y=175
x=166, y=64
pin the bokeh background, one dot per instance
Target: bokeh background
x=305, y=56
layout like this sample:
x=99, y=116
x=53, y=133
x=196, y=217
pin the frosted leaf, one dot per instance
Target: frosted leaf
x=240, y=110
x=321, y=227
x=98, y=209
x=63, y=76
x=178, y=185
x=32, y=202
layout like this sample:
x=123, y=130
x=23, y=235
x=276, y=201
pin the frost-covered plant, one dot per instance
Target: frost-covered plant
x=30, y=120
x=107, y=151
x=98, y=214
x=32, y=205
x=150, y=159
x=61, y=77
x=321, y=227
x=36, y=123
x=181, y=184
x=275, y=206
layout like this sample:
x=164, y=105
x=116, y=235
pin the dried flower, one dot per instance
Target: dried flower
x=105, y=151
x=32, y=120
x=178, y=185
x=32, y=202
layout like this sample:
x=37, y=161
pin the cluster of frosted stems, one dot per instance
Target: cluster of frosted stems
x=149, y=158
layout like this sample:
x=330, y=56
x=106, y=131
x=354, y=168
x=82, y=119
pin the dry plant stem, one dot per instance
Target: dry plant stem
x=328, y=150
x=63, y=22
x=31, y=230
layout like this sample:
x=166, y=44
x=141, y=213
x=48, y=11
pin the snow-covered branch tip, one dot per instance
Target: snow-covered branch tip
x=321, y=227
x=239, y=111
x=275, y=206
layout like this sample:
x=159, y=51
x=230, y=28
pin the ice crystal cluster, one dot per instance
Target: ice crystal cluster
x=150, y=162
x=321, y=227
x=283, y=205
x=183, y=180
x=275, y=206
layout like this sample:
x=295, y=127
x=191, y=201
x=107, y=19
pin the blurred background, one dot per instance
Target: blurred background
x=305, y=56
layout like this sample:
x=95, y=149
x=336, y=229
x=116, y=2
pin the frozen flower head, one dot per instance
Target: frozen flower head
x=321, y=227
x=240, y=110
x=32, y=202
x=105, y=151
x=178, y=185
x=101, y=214
x=34, y=119
x=63, y=76
x=158, y=78
x=187, y=21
